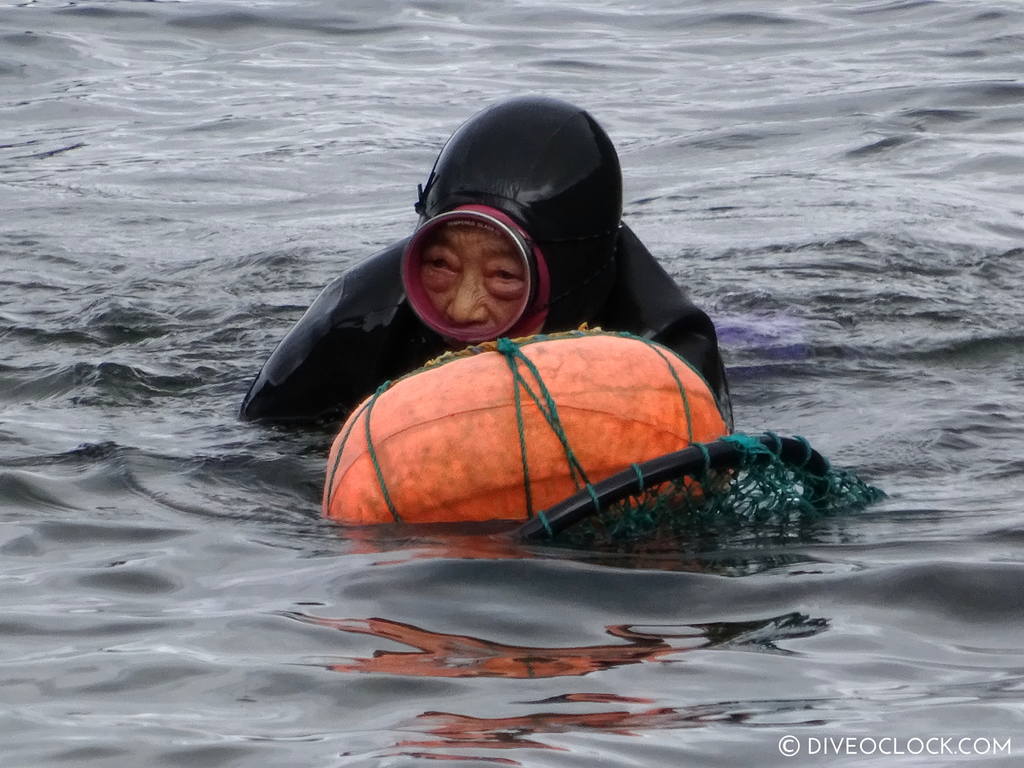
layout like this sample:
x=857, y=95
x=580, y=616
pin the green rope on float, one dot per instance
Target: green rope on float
x=639, y=476
x=527, y=490
x=679, y=385
x=373, y=453
x=341, y=450
x=752, y=446
x=541, y=397
x=547, y=525
x=545, y=404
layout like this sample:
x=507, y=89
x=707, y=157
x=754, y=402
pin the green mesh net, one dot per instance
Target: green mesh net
x=741, y=480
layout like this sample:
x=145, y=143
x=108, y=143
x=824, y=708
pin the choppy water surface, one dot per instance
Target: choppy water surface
x=838, y=183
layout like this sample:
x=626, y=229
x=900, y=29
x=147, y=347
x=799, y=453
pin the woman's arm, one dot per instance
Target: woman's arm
x=340, y=350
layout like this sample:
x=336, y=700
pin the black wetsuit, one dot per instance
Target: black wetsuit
x=361, y=332
x=551, y=167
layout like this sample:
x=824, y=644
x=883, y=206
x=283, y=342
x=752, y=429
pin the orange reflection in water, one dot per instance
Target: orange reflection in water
x=439, y=654
x=447, y=730
x=496, y=540
x=447, y=655
x=480, y=541
x=454, y=731
x=463, y=731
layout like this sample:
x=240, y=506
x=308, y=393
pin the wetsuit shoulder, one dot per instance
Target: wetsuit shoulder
x=647, y=301
x=356, y=334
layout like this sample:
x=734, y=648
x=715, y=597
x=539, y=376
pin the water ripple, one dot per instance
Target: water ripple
x=838, y=184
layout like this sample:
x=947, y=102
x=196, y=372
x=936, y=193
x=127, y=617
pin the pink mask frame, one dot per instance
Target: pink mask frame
x=534, y=306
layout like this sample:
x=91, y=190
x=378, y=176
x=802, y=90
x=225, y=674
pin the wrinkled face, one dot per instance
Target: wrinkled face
x=474, y=278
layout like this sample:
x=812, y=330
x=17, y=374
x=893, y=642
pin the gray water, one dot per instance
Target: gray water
x=837, y=183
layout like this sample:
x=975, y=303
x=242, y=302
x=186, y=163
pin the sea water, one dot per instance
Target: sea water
x=837, y=183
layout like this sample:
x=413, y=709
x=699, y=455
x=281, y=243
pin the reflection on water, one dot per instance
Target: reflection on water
x=441, y=654
x=515, y=732
x=446, y=757
x=464, y=541
x=465, y=732
x=449, y=655
x=741, y=551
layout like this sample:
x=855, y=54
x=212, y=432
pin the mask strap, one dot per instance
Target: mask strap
x=422, y=192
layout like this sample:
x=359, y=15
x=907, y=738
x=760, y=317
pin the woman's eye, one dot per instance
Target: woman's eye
x=504, y=274
x=437, y=261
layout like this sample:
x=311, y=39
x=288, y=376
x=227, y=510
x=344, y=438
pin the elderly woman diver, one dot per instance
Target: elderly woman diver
x=520, y=232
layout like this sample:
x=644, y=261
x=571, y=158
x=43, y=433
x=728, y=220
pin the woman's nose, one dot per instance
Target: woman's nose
x=468, y=305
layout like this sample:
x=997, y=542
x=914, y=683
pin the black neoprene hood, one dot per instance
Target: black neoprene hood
x=552, y=168
x=545, y=162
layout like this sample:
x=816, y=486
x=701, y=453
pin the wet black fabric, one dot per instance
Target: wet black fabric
x=551, y=167
x=357, y=334
x=360, y=332
x=544, y=162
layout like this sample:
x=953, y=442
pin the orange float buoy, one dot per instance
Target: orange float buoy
x=513, y=429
